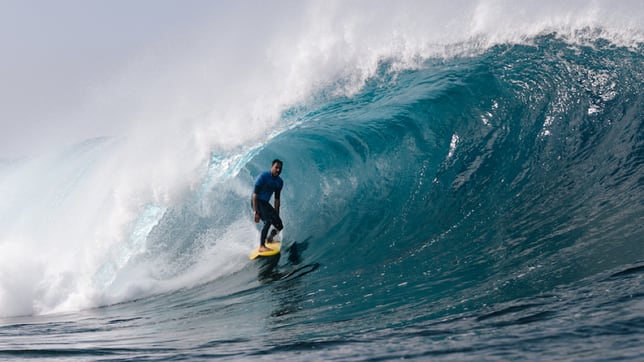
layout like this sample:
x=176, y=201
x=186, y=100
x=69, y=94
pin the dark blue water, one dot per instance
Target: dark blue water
x=479, y=207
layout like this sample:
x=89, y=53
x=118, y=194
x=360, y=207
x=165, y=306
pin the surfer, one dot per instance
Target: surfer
x=267, y=183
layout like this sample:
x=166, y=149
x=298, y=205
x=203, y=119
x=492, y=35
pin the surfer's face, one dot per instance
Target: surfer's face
x=276, y=169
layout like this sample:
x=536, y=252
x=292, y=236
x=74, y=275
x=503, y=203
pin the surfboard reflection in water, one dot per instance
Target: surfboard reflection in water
x=270, y=271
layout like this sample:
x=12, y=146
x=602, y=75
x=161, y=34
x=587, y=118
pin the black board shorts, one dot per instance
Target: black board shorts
x=268, y=214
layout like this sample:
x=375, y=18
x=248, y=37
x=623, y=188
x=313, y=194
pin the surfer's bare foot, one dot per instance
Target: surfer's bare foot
x=264, y=248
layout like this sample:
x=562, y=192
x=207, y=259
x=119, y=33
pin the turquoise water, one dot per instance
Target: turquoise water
x=480, y=206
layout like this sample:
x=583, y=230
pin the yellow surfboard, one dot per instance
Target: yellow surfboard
x=275, y=245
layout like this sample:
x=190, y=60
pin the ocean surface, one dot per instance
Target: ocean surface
x=478, y=197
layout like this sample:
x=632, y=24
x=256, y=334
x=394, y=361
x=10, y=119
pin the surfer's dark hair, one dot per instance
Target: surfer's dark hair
x=277, y=160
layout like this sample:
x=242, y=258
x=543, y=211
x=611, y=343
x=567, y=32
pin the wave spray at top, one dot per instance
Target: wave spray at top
x=139, y=210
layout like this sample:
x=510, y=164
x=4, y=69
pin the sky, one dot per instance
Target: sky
x=55, y=55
